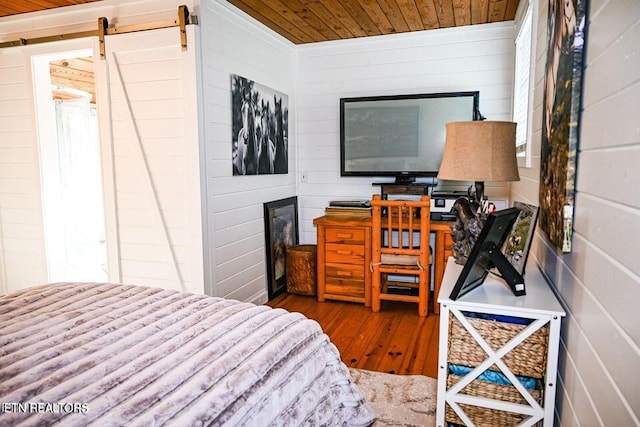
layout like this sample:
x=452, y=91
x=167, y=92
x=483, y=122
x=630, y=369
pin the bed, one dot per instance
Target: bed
x=113, y=354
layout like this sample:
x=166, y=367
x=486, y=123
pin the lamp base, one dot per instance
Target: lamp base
x=466, y=229
x=479, y=193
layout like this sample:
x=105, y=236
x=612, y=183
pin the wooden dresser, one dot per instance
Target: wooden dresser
x=344, y=256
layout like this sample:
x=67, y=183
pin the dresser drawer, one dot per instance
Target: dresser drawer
x=345, y=279
x=345, y=254
x=346, y=291
x=337, y=272
x=348, y=236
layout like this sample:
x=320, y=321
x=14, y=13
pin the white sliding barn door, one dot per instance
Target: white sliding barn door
x=152, y=104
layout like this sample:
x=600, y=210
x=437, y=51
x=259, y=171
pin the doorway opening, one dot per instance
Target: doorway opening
x=70, y=166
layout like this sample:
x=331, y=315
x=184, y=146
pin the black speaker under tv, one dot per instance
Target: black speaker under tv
x=486, y=254
x=400, y=136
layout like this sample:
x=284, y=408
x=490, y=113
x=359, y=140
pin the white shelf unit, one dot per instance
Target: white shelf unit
x=494, y=297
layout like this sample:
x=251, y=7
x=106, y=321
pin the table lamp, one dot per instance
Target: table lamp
x=477, y=151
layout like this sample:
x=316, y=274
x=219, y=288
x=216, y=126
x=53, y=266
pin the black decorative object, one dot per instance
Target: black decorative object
x=281, y=230
x=465, y=230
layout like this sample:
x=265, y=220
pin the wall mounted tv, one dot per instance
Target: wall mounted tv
x=399, y=136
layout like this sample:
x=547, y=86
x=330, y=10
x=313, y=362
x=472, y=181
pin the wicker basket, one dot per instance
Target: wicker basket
x=485, y=417
x=302, y=269
x=527, y=359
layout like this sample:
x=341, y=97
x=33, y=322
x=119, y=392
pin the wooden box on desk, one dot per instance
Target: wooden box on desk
x=347, y=211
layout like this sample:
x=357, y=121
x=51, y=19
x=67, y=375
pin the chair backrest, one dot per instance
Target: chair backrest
x=405, y=219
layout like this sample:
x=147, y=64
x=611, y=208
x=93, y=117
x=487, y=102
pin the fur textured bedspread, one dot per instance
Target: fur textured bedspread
x=109, y=354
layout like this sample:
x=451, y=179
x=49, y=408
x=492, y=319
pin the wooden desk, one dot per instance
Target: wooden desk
x=344, y=256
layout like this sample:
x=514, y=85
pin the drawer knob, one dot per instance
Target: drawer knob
x=345, y=235
x=343, y=252
x=343, y=273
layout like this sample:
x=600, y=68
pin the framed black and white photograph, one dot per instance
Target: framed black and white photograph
x=259, y=128
x=518, y=244
x=281, y=230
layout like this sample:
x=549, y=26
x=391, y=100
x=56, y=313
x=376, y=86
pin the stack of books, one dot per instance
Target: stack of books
x=349, y=207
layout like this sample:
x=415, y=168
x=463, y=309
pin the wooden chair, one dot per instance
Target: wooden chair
x=395, y=251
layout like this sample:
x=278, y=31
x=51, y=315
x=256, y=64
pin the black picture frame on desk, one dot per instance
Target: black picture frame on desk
x=280, y=231
x=486, y=254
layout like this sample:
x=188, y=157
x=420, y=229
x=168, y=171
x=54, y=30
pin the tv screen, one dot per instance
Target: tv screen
x=402, y=135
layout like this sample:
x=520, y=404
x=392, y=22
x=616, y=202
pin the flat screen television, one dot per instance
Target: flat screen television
x=399, y=136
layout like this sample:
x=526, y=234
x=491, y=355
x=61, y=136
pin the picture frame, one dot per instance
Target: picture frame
x=281, y=230
x=561, y=115
x=516, y=248
x=486, y=254
x=259, y=128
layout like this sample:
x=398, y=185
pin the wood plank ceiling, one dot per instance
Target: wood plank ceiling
x=15, y=7
x=308, y=21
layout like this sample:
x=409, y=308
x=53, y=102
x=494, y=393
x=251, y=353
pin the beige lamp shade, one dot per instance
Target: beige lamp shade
x=480, y=151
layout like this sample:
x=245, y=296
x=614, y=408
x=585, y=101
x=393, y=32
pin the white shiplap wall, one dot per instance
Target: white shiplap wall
x=233, y=43
x=599, y=281
x=478, y=57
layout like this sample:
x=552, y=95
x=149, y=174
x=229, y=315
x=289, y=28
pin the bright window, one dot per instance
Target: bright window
x=522, y=84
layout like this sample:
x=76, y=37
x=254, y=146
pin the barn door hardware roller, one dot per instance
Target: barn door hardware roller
x=183, y=19
x=103, y=26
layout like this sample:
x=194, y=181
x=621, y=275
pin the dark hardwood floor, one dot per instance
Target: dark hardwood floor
x=395, y=340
